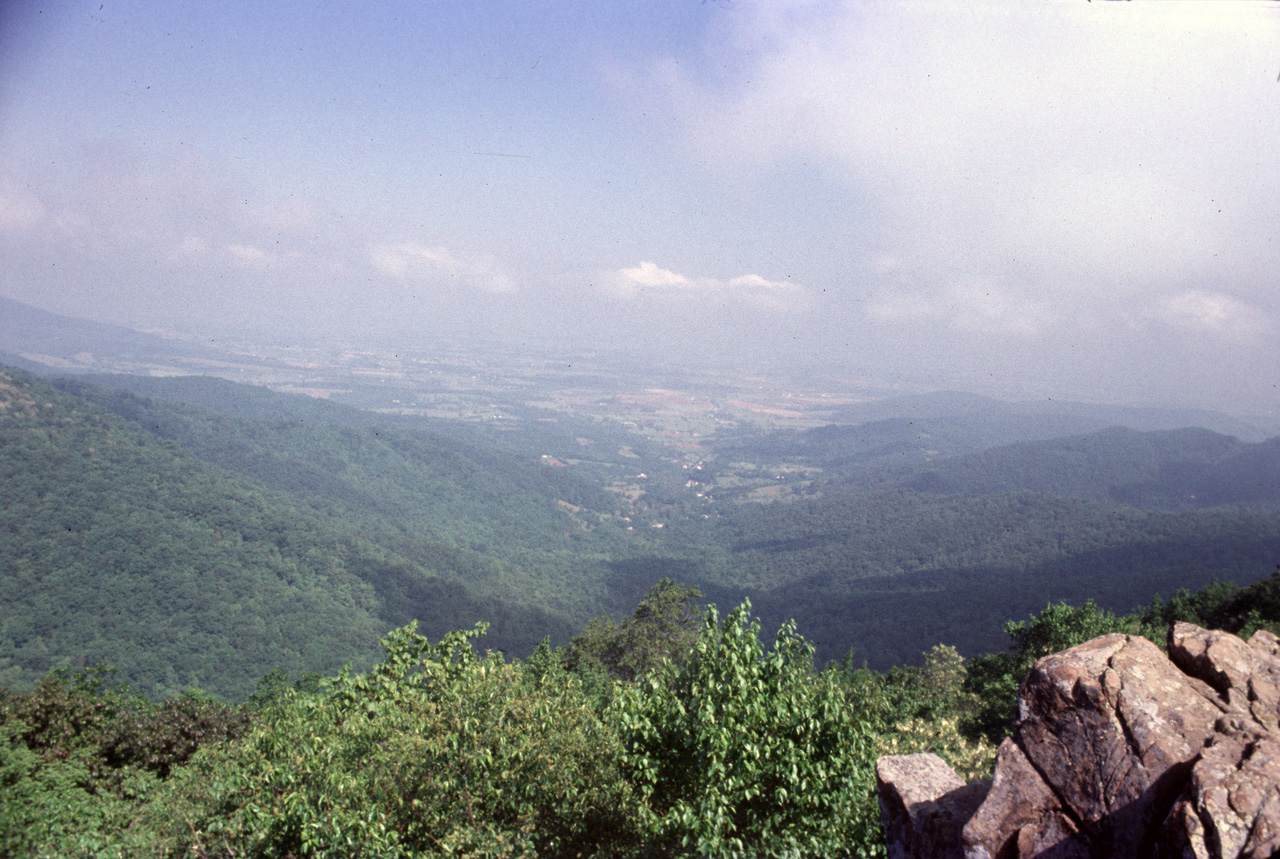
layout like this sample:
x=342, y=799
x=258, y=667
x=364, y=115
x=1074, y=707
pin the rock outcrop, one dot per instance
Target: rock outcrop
x=1120, y=751
x=924, y=805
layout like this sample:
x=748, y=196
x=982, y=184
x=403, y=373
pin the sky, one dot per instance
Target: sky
x=1024, y=198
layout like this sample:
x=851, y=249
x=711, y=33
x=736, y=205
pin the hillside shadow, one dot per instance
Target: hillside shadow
x=892, y=620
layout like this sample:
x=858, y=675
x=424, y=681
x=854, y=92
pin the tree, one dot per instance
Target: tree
x=663, y=628
x=435, y=751
x=994, y=678
x=746, y=752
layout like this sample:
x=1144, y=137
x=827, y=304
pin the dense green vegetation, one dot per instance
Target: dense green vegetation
x=911, y=532
x=893, y=571
x=1175, y=469
x=198, y=533
x=125, y=548
x=719, y=747
x=122, y=549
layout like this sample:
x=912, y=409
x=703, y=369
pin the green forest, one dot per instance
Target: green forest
x=673, y=732
x=235, y=622
x=198, y=533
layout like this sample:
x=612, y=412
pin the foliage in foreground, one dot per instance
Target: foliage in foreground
x=79, y=757
x=719, y=746
x=437, y=751
x=746, y=752
x=440, y=750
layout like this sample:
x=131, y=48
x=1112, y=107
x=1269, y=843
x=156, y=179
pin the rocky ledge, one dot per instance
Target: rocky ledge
x=1120, y=751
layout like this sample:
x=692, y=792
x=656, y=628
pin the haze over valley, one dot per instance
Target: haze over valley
x=1034, y=200
x=535, y=492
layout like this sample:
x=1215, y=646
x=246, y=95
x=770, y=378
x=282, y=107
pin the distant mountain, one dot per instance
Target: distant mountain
x=237, y=400
x=890, y=574
x=66, y=343
x=12, y=359
x=1159, y=470
x=908, y=435
x=990, y=422
x=899, y=545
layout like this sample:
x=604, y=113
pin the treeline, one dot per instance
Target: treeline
x=121, y=545
x=196, y=532
x=674, y=732
x=888, y=573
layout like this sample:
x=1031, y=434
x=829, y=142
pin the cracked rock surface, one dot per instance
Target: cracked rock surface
x=1122, y=751
x=927, y=804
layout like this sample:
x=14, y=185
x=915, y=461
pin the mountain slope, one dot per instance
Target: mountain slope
x=287, y=531
x=992, y=422
x=53, y=340
x=121, y=547
x=1158, y=470
x=545, y=533
x=897, y=546
x=890, y=574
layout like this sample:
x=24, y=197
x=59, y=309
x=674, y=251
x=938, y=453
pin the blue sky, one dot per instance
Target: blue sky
x=1046, y=198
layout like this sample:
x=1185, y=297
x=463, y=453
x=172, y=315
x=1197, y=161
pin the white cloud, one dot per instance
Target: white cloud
x=649, y=275
x=970, y=307
x=415, y=261
x=1110, y=150
x=652, y=281
x=1213, y=313
x=770, y=295
x=249, y=256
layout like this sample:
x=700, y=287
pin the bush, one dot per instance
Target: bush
x=79, y=756
x=435, y=751
x=742, y=752
x=993, y=679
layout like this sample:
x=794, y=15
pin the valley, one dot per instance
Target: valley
x=356, y=490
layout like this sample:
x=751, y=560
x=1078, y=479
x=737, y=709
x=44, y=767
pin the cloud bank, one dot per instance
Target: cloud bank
x=648, y=280
x=1004, y=195
x=1013, y=139
x=419, y=262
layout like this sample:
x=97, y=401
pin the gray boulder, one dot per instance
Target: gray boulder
x=1120, y=751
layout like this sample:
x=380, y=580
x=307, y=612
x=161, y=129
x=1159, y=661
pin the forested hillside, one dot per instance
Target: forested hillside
x=886, y=573
x=363, y=469
x=390, y=520
x=124, y=547
x=896, y=544
x=1171, y=469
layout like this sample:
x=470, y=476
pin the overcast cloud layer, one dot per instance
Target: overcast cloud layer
x=1047, y=198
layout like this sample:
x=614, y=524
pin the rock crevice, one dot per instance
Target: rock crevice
x=1120, y=750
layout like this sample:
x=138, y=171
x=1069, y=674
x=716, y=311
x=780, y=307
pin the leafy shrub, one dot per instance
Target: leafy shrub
x=993, y=679
x=923, y=708
x=435, y=751
x=166, y=736
x=746, y=752
x=78, y=755
x=663, y=628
